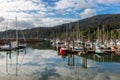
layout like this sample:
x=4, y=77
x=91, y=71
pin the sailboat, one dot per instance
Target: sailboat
x=6, y=42
x=5, y=47
x=16, y=44
x=98, y=51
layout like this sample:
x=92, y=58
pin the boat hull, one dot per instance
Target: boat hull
x=63, y=51
x=99, y=53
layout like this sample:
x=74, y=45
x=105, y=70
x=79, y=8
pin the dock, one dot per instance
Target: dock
x=117, y=52
x=28, y=40
x=88, y=52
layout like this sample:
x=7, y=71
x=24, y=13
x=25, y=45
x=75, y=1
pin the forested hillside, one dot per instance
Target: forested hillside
x=86, y=27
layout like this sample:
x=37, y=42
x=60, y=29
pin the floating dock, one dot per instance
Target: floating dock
x=10, y=49
x=88, y=52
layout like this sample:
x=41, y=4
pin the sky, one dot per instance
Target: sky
x=48, y=13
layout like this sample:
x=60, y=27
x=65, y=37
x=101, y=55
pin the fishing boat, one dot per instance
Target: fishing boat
x=64, y=50
x=88, y=45
x=78, y=45
x=98, y=50
x=59, y=45
x=78, y=48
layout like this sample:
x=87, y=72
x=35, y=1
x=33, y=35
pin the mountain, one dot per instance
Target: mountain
x=111, y=22
x=101, y=20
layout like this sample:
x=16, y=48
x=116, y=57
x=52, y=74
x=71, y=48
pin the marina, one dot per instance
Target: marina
x=60, y=40
x=85, y=50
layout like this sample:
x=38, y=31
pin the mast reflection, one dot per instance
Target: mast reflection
x=84, y=62
x=71, y=60
x=9, y=57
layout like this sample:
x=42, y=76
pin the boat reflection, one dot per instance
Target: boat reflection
x=9, y=63
x=73, y=62
x=72, y=59
x=42, y=64
x=84, y=62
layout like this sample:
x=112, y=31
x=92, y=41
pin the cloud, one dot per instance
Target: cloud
x=75, y=4
x=55, y=21
x=30, y=14
x=108, y=2
x=64, y=4
x=25, y=24
x=49, y=13
x=18, y=5
x=1, y=19
x=81, y=4
x=88, y=13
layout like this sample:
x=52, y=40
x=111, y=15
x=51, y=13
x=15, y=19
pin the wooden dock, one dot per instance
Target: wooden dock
x=87, y=52
x=117, y=52
x=28, y=40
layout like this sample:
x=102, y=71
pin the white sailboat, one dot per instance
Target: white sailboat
x=5, y=46
x=6, y=42
x=16, y=44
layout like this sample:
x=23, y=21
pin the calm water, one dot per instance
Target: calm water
x=46, y=64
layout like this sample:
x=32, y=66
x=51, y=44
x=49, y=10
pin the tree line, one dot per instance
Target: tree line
x=87, y=27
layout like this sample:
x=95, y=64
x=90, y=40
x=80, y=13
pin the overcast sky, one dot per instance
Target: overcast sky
x=47, y=13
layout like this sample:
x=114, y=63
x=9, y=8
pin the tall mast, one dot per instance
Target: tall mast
x=111, y=34
x=16, y=31
x=89, y=34
x=119, y=34
x=78, y=31
x=103, y=34
x=98, y=33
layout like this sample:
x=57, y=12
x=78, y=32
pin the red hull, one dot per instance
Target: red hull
x=63, y=51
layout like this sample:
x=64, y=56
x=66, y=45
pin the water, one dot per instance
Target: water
x=45, y=64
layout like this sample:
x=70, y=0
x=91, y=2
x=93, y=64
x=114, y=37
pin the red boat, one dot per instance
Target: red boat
x=64, y=51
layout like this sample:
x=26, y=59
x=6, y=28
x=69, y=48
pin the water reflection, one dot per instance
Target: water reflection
x=10, y=63
x=39, y=64
x=71, y=60
x=100, y=65
x=84, y=62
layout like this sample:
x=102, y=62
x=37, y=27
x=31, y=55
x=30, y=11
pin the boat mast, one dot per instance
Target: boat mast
x=77, y=30
x=89, y=34
x=67, y=25
x=16, y=31
x=103, y=35
x=98, y=33
x=119, y=34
